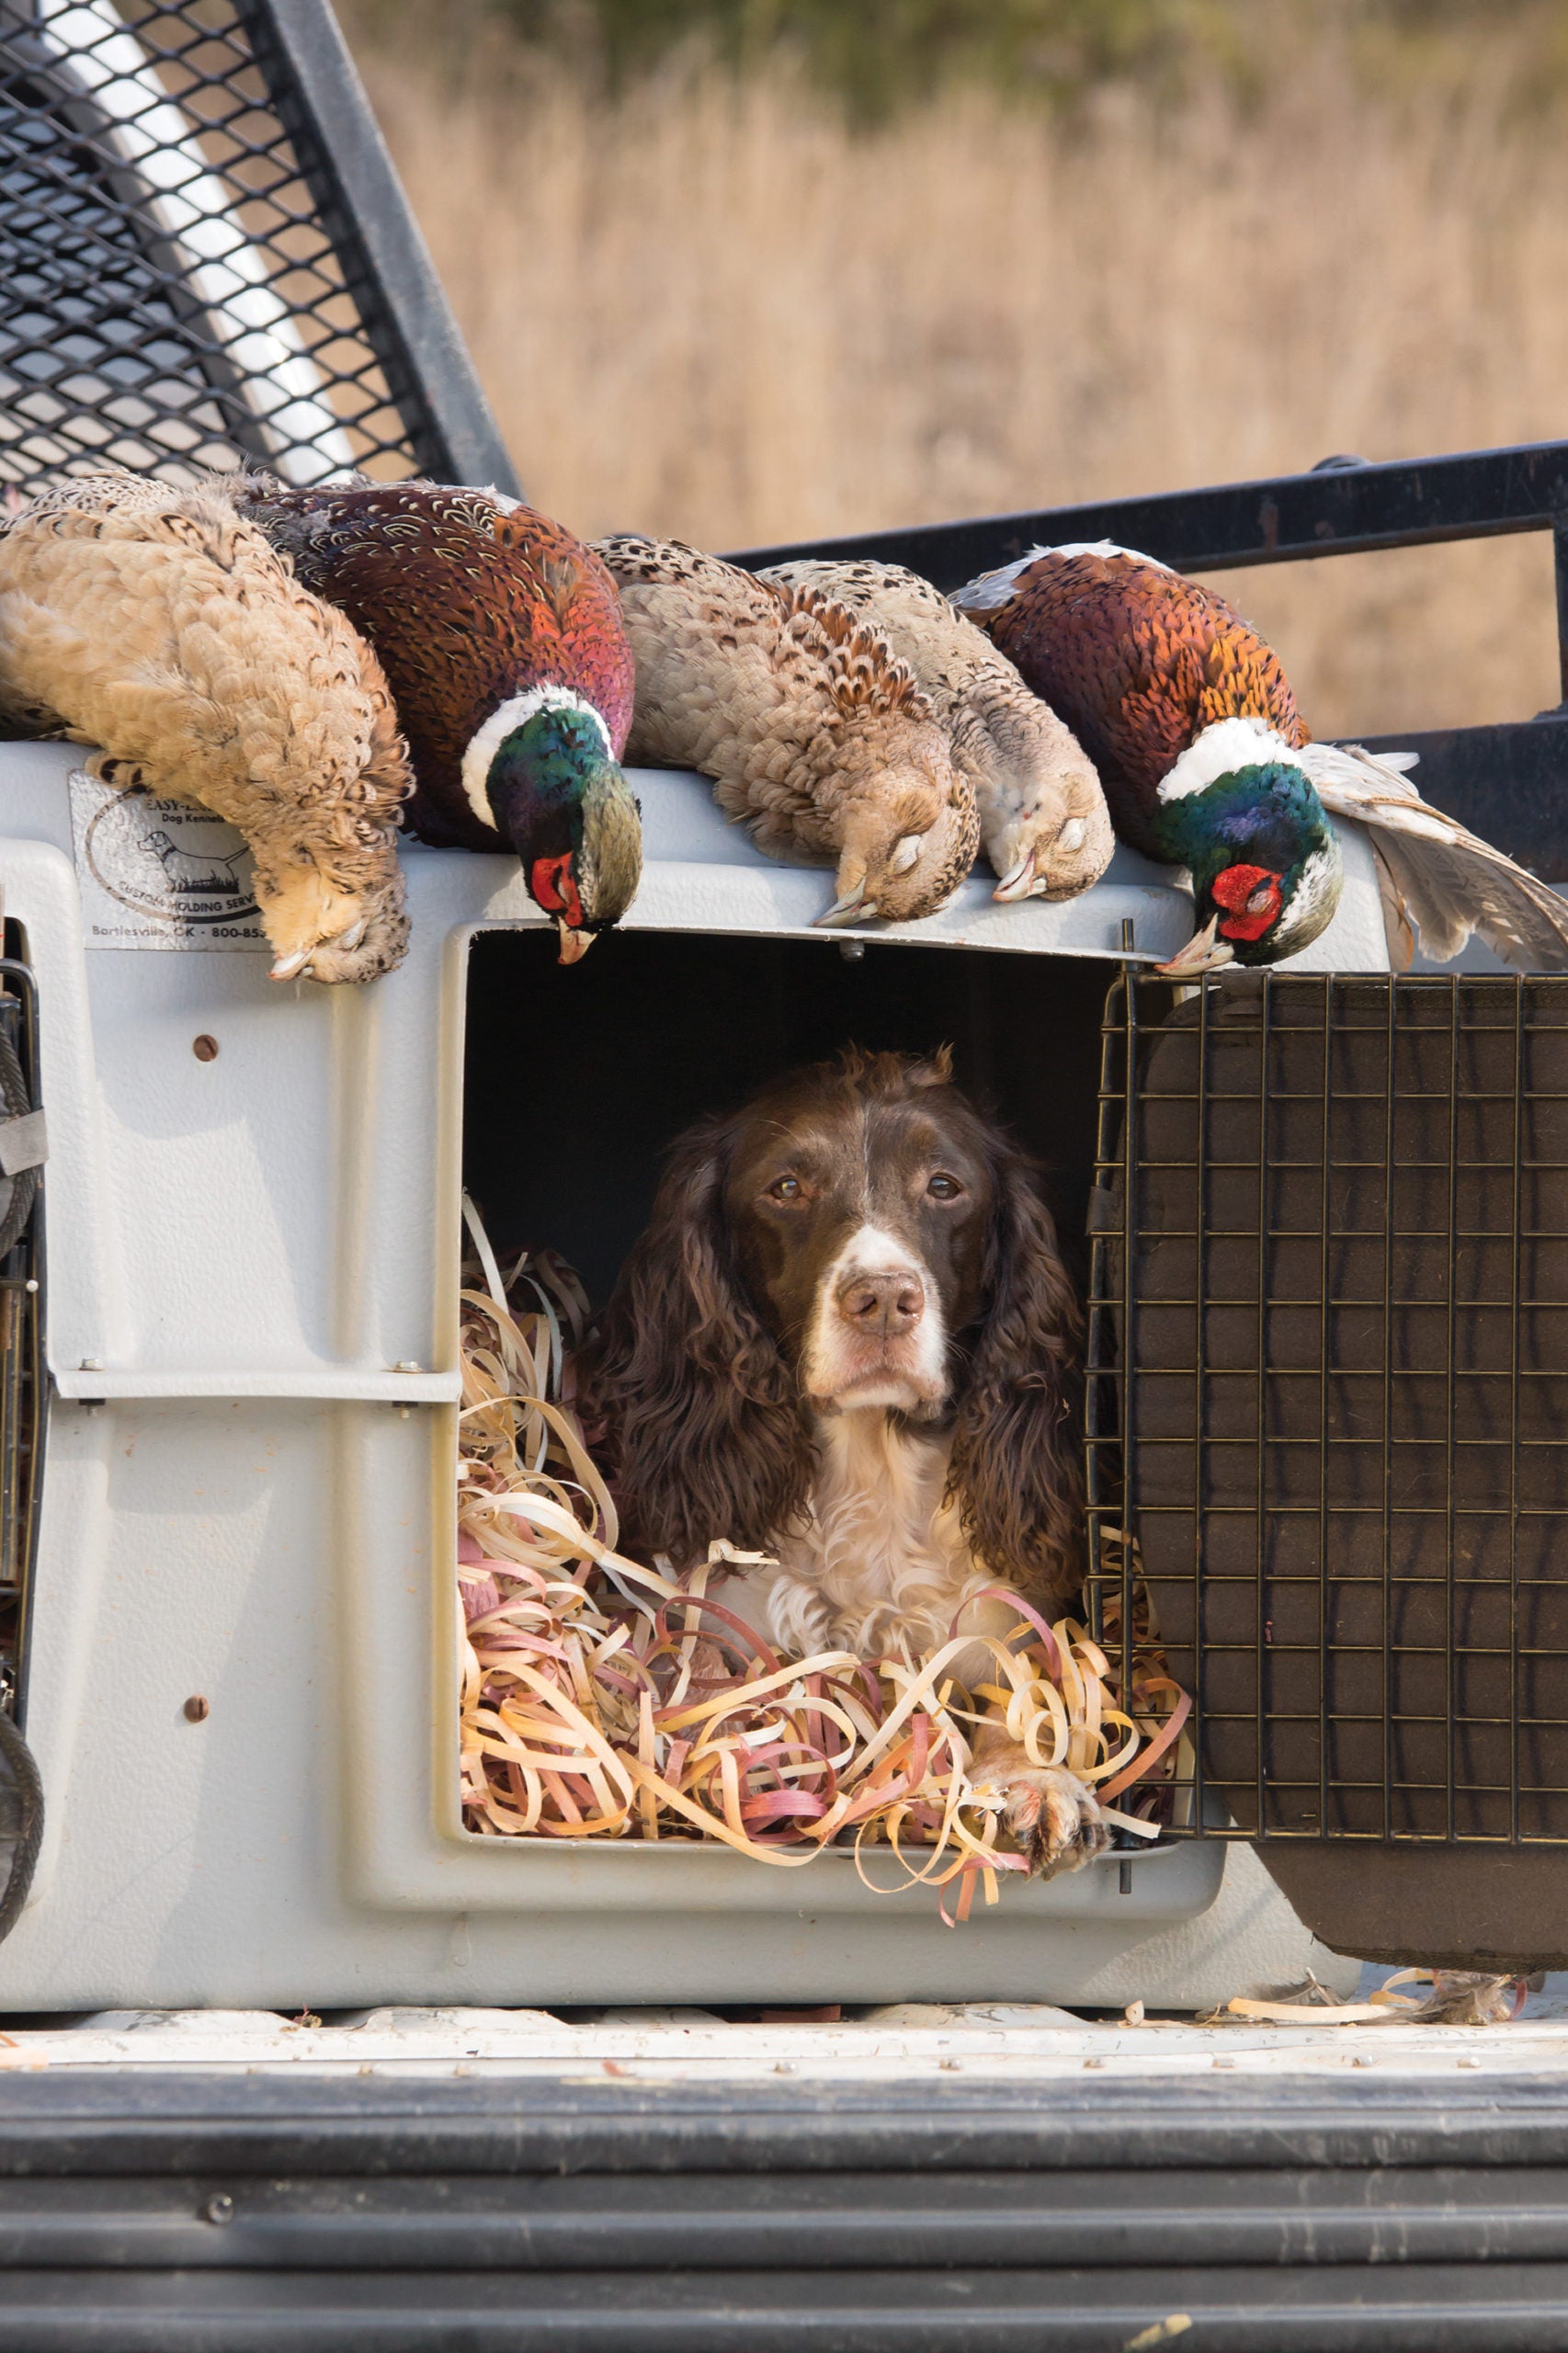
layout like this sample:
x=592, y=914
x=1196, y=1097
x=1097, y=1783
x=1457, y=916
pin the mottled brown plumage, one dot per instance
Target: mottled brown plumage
x=154, y=623
x=807, y=724
x=484, y=613
x=1043, y=819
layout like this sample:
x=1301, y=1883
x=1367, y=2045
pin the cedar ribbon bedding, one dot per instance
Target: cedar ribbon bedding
x=607, y=1698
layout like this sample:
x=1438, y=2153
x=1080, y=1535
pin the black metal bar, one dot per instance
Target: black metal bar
x=321, y=104
x=1473, y=494
x=1260, y=1550
x=800, y=2221
x=1450, y=1663
x=1387, y=1420
x=1128, y=1431
x=1200, y=1464
x=1326, y=1330
x=1102, y=1431
x=147, y=2120
x=1514, y=1418
x=1559, y=582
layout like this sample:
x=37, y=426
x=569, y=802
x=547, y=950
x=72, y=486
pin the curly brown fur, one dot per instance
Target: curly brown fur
x=1017, y=1459
x=703, y=1430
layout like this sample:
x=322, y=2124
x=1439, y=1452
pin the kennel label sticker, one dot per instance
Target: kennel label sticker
x=159, y=874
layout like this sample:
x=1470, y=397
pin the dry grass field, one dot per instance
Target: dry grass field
x=708, y=307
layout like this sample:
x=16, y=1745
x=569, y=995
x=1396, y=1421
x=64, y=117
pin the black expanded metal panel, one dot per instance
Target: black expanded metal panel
x=206, y=255
x=1329, y=1392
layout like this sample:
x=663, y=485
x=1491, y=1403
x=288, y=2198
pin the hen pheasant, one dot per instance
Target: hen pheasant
x=1208, y=764
x=155, y=623
x=1043, y=819
x=805, y=721
x=503, y=642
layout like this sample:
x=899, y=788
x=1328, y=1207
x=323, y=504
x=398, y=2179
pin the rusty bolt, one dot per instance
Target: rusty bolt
x=205, y=1047
x=197, y=1709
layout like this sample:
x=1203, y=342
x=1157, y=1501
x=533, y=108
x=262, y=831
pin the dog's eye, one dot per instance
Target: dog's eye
x=787, y=1189
x=944, y=1189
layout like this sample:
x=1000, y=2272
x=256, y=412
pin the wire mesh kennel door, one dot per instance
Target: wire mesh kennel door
x=1329, y=1397
x=208, y=256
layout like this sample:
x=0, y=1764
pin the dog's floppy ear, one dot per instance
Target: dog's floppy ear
x=1017, y=1466
x=702, y=1429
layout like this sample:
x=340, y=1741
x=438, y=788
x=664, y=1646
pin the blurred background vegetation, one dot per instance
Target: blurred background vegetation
x=874, y=58
x=749, y=269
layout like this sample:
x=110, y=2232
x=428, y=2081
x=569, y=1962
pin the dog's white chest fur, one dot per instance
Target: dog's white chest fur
x=881, y=1562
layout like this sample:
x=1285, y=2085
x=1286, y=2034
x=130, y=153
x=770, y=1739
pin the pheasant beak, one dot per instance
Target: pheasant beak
x=1018, y=881
x=1204, y=952
x=574, y=945
x=852, y=908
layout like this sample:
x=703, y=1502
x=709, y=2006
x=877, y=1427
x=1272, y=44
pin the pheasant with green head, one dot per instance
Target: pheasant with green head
x=1207, y=764
x=502, y=639
x=1239, y=812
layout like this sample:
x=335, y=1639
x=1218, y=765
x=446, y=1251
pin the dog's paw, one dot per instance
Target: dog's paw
x=1048, y=1816
x=800, y=1623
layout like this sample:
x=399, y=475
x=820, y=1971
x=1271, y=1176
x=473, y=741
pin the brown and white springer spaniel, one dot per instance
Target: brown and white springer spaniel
x=847, y=1340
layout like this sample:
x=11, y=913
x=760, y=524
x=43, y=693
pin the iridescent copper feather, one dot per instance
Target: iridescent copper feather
x=1137, y=661
x=502, y=639
x=470, y=599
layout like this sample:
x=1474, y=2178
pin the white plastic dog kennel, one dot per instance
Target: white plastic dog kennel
x=238, y=1664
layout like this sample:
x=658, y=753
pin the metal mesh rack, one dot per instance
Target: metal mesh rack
x=208, y=257
x=1328, y=1392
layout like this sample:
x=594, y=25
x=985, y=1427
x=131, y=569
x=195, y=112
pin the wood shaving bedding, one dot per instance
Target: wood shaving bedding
x=607, y=1698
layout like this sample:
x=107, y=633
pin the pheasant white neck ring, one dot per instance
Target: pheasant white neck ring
x=1223, y=748
x=487, y=740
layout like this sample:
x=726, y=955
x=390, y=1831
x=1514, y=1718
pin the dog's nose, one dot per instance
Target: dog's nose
x=884, y=1305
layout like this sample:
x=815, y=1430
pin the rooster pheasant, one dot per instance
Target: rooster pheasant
x=1208, y=764
x=1043, y=819
x=155, y=623
x=805, y=721
x=502, y=639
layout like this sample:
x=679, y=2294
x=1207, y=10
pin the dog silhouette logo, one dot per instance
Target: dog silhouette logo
x=201, y=874
x=177, y=870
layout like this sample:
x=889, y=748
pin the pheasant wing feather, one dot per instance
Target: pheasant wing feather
x=1436, y=874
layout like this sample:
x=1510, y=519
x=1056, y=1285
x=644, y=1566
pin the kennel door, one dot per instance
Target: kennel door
x=1339, y=1301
